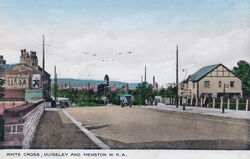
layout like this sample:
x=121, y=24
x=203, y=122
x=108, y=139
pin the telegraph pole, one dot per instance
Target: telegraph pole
x=43, y=81
x=177, y=77
x=55, y=84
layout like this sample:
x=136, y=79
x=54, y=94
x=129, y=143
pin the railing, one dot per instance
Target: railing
x=235, y=104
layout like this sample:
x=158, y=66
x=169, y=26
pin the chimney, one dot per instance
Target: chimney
x=153, y=79
x=145, y=74
x=33, y=53
x=2, y=61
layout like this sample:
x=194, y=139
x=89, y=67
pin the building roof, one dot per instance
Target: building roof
x=41, y=69
x=202, y=72
x=6, y=67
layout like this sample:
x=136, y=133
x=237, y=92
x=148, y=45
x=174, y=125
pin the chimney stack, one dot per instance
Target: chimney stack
x=145, y=74
x=2, y=61
x=153, y=79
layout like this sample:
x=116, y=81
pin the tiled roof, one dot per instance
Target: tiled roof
x=6, y=67
x=202, y=72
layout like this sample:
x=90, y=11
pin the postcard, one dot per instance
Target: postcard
x=124, y=79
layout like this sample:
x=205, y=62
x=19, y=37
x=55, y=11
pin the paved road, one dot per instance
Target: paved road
x=145, y=128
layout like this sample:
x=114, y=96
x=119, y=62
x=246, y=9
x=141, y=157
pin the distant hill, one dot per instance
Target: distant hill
x=83, y=83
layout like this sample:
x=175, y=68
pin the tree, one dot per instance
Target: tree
x=142, y=93
x=2, y=81
x=100, y=89
x=243, y=71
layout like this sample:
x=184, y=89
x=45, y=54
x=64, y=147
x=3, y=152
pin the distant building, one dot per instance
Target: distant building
x=23, y=81
x=126, y=87
x=214, y=81
x=154, y=85
x=95, y=88
x=114, y=88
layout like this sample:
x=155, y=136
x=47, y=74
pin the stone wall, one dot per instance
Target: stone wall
x=20, y=124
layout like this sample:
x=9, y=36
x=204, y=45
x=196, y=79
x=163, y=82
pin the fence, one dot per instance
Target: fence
x=235, y=104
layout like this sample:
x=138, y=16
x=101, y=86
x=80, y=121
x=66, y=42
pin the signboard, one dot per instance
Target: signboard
x=33, y=95
x=36, y=81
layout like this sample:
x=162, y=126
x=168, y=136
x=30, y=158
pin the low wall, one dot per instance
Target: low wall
x=20, y=124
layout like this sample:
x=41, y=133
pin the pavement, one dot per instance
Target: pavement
x=159, y=128
x=57, y=131
x=228, y=113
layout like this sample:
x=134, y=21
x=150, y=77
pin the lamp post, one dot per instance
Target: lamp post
x=177, y=76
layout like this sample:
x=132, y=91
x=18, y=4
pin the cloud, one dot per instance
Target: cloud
x=151, y=44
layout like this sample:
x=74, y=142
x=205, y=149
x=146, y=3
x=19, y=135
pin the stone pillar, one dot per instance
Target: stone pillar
x=228, y=103
x=247, y=105
x=213, y=102
x=179, y=100
x=196, y=101
x=201, y=102
x=237, y=104
x=221, y=102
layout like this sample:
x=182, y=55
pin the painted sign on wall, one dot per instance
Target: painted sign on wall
x=36, y=81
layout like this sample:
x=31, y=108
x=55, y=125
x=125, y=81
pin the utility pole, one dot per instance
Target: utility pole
x=177, y=77
x=55, y=84
x=43, y=80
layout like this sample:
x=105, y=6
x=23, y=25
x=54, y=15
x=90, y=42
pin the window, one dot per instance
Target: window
x=22, y=68
x=219, y=84
x=206, y=84
x=231, y=83
x=182, y=86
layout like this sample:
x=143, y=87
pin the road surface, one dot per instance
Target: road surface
x=157, y=129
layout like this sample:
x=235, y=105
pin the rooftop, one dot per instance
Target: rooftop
x=202, y=72
x=6, y=67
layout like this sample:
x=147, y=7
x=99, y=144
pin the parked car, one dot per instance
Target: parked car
x=126, y=100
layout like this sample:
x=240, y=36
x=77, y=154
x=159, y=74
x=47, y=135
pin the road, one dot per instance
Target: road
x=157, y=129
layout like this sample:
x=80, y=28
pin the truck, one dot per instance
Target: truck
x=126, y=100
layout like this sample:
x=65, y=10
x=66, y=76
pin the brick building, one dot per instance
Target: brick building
x=23, y=81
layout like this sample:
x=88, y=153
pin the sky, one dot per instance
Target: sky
x=126, y=35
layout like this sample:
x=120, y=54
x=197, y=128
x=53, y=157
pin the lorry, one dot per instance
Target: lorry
x=126, y=100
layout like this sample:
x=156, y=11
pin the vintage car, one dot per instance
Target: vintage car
x=126, y=100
